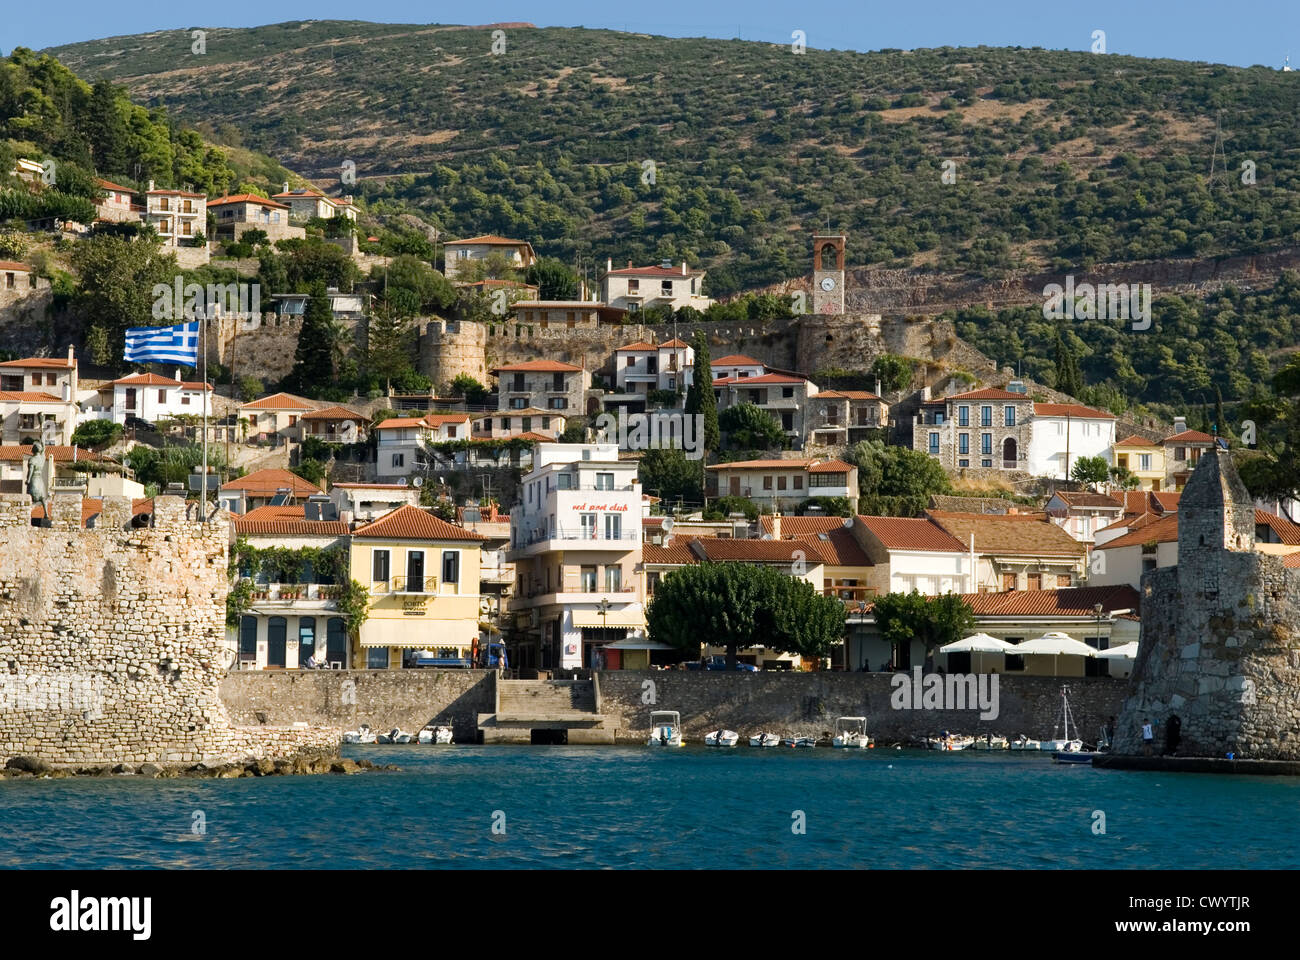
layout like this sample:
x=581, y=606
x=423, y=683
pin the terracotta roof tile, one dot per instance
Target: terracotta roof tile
x=279, y=401
x=287, y=520
x=655, y=271
x=730, y=550
x=1287, y=532
x=803, y=526
x=60, y=452
x=29, y=396
x=489, y=238
x=412, y=523
x=908, y=533
x=830, y=466
x=147, y=380
x=767, y=378
x=336, y=413
x=538, y=366
x=42, y=362
x=1292, y=560
x=762, y=465
x=988, y=393
x=1133, y=440
x=1018, y=534
x=1161, y=530
x=1073, y=410
x=264, y=483
x=247, y=198
x=847, y=395
x=1189, y=437
x=736, y=360
x=1068, y=601
x=1077, y=498
x=677, y=551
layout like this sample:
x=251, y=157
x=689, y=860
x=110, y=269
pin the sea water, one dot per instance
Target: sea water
x=639, y=807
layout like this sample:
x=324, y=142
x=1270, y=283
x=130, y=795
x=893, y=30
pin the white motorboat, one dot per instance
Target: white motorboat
x=1023, y=743
x=435, y=735
x=665, y=729
x=950, y=742
x=396, y=735
x=721, y=738
x=362, y=734
x=765, y=740
x=851, y=732
x=990, y=742
x=799, y=742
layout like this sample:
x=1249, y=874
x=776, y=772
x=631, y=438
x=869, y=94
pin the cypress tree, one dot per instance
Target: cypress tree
x=1220, y=424
x=699, y=397
x=313, y=360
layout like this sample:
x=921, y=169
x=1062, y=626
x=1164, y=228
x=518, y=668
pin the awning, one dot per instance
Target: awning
x=637, y=643
x=627, y=617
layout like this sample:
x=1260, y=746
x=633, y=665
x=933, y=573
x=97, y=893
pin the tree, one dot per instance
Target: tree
x=1090, y=470
x=895, y=480
x=116, y=288
x=724, y=507
x=554, y=280
x=667, y=473
x=1068, y=378
x=738, y=605
x=700, y=400
x=389, y=346
x=410, y=287
x=314, y=359
x=1125, y=478
x=475, y=393
x=96, y=434
x=313, y=471
x=1220, y=422
x=902, y=617
x=894, y=372
x=749, y=427
x=575, y=430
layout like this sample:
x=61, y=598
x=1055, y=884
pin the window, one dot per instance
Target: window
x=1144, y=461
x=377, y=658
x=634, y=286
x=1008, y=581
x=787, y=421
x=666, y=288
x=787, y=392
x=451, y=566
x=1084, y=524
x=651, y=581
x=557, y=381
x=963, y=443
x=588, y=526
x=306, y=639
x=934, y=444
x=587, y=579
x=604, y=481
x=963, y=416
x=557, y=403
x=185, y=399
x=563, y=481
x=939, y=418
x=986, y=416
x=963, y=463
x=546, y=423
x=415, y=571
x=379, y=566
x=986, y=444
x=162, y=396
x=613, y=526
x=798, y=482
x=651, y=365
x=613, y=579
x=518, y=403
x=248, y=638
x=1063, y=580
x=767, y=483
x=1008, y=416
x=399, y=460
x=780, y=483
x=1034, y=581
x=527, y=423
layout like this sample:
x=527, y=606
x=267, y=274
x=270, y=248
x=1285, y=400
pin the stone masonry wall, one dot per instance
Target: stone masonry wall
x=808, y=703
x=347, y=698
x=111, y=639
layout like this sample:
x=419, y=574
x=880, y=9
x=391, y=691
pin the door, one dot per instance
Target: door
x=415, y=571
x=276, y=632
x=733, y=486
x=336, y=637
x=130, y=399
x=306, y=639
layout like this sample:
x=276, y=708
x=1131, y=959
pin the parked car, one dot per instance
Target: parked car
x=719, y=662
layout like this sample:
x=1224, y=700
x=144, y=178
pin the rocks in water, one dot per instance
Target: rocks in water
x=150, y=770
x=300, y=764
x=33, y=765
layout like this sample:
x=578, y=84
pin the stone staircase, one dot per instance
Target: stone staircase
x=525, y=706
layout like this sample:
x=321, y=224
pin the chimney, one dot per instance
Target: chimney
x=1180, y=424
x=285, y=187
x=877, y=386
x=72, y=355
x=776, y=526
x=609, y=264
x=178, y=374
x=683, y=268
x=67, y=392
x=149, y=189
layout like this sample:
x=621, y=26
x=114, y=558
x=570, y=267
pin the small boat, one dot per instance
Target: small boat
x=1074, y=753
x=1023, y=743
x=396, y=735
x=362, y=734
x=721, y=738
x=799, y=742
x=765, y=740
x=435, y=735
x=851, y=732
x=950, y=742
x=990, y=742
x=665, y=729
x=1069, y=750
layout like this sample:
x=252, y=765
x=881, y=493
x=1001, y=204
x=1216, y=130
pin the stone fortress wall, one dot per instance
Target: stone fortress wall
x=1220, y=644
x=112, y=639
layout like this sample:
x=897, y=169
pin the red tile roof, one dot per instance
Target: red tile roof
x=847, y=395
x=490, y=238
x=1133, y=440
x=264, y=483
x=988, y=393
x=1292, y=560
x=1166, y=500
x=278, y=401
x=762, y=465
x=60, y=452
x=14, y=265
x=1161, y=530
x=147, y=380
x=674, y=343
x=736, y=360
x=677, y=551
x=907, y=533
x=655, y=271
x=1067, y=601
x=766, y=378
x=1077, y=498
x=640, y=346
x=1287, y=532
x=176, y=193
x=1189, y=437
x=802, y=526
x=287, y=520
x=412, y=523
x=1016, y=534
x=247, y=198
x=336, y=413
x=830, y=466
x=110, y=185
x=42, y=362
x=28, y=396
x=730, y=550
x=538, y=366
x=1073, y=410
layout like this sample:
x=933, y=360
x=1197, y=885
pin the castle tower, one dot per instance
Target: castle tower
x=1215, y=511
x=828, y=272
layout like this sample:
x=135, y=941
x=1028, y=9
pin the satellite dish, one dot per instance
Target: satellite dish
x=418, y=482
x=405, y=481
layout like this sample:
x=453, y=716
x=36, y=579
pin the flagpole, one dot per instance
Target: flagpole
x=203, y=483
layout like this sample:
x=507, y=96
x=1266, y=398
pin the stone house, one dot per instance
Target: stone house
x=844, y=417
x=783, y=396
x=118, y=203
x=178, y=216
x=304, y=203
x=237, y=214
x=638, y=288
x=987, y=428
x=542, y=384
x=560, y=314
x=642, y=367
x=1183, y=448
x=458, y=255
x=16, y=279
x=512, y=423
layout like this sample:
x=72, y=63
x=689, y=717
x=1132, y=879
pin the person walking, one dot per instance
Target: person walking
x=1147, y=737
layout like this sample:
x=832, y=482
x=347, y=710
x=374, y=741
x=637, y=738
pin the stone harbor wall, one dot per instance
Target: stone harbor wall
x=384, y=699
x=111, y=640
x=1220, y=643
x=806, y=704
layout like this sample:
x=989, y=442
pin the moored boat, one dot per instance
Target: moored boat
x=851, y=732
x=990, y=742
x=1023, y=743
x=362, y=734
x=665, y=729
x=721, y=738
x=799, y=742
x=765, y=740
x=432, y=734
x=950, y=742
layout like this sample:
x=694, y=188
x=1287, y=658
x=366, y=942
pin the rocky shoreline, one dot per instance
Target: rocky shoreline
x=18, y=768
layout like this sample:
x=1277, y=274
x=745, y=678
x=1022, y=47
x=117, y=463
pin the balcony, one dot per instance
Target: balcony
x=851, y=594
x=407, y=585
x=317, y=596
x=542, y=542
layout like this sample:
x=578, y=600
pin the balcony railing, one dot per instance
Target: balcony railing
x=287, y=592
x=405, y=585
x=590, y=536
x=851, y=593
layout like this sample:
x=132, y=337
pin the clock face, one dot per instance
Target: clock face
x=828, y=284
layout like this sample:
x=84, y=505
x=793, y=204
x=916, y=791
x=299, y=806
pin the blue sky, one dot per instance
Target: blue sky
x=1260, y=32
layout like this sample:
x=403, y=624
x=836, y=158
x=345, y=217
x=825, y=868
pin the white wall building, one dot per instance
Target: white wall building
x=150, y=397
x=642, y=367
x=1062, y=432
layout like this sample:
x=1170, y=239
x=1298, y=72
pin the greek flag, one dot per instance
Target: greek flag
x=175, y=344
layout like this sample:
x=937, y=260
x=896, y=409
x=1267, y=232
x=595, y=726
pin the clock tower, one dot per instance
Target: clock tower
x=828, y=272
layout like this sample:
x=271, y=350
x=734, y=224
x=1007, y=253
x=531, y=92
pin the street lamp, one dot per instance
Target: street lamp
x=604, y=624
x=1096, y=608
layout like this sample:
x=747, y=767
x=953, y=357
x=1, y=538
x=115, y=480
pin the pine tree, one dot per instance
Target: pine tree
x=699, y=396
x=313, y=361
x=1220, y=423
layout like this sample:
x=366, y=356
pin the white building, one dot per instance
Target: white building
x=914, y=554
x=1061, y=433
x=736, y=366
x=638, y=288
x=642, y=367
x=149, y=397
x=363, y=502
x=399, y=451
x=575, y=541
x=459, y=255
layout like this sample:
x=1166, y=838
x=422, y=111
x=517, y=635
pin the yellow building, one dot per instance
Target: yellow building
x=1143, y=458
x=422, y=575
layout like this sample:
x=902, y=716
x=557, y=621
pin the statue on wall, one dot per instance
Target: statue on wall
x=38, y=487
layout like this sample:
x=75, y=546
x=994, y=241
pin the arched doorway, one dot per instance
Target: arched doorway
x=1009, y=451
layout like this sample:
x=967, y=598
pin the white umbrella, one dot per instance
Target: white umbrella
x=1127, y=651
x=1055, y=644
x=977, y=643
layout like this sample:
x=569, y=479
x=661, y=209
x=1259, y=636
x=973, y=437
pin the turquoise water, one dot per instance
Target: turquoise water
x=595, y=807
